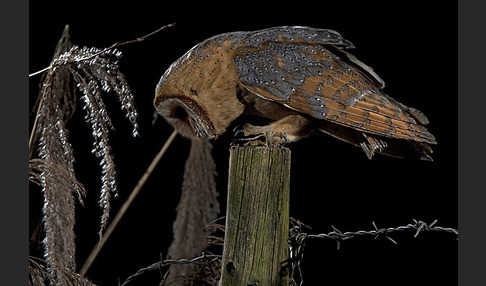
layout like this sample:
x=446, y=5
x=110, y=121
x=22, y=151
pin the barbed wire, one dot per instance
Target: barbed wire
x=204, y=258
x=298, y=238
x=418, y=226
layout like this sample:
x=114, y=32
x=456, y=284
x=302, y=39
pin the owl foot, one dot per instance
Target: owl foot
x=261, y=135
x=240, y=138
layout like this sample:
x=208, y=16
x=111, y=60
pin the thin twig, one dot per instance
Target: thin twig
x=125, y=206
x=115, y=45
x=34, y=127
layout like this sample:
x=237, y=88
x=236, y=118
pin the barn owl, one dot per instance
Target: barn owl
x=300, y=79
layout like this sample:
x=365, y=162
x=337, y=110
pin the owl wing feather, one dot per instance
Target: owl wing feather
x=296, y=70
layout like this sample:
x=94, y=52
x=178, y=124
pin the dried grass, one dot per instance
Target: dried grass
x=197, y=207
x=39, y=275
x=94, y=73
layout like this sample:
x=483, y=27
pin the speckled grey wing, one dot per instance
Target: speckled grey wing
x=296, y=35
x=313, y=36
x=303, y=75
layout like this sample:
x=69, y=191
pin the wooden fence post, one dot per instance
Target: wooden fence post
x=257, y=217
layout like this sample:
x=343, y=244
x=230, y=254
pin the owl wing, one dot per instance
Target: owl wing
x=302, y=74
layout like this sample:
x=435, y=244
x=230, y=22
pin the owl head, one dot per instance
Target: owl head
x=197, y=94
x=178, y=101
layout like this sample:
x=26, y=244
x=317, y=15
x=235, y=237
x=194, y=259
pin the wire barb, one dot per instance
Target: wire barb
x=298, y=238
x=202, y=259
x=418, y=226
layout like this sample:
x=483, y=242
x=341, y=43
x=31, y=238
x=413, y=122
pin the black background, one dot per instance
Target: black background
x=412, y=46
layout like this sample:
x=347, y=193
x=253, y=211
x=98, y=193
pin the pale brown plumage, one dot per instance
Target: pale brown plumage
x=300, y=78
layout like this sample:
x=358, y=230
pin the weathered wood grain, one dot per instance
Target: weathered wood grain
x=257, y=217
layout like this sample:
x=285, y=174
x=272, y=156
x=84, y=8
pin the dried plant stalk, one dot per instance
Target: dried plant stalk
x=54, y=170
x=197, y=207
x=93, y=77
x=39, y=275
x=101, y=74
x=94, y=72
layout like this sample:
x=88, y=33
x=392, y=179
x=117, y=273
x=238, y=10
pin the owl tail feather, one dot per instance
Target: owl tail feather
x=197, y=207
x=372, y=144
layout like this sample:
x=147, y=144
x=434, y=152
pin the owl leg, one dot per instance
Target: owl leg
x=285, y=130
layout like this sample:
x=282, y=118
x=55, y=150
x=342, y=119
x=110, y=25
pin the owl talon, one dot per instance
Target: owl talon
x=250, y=141
x=276, y=138
x=259, y=135
x=237, y=130
x=242, y=136
x=252, y=138
x=285, y=138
